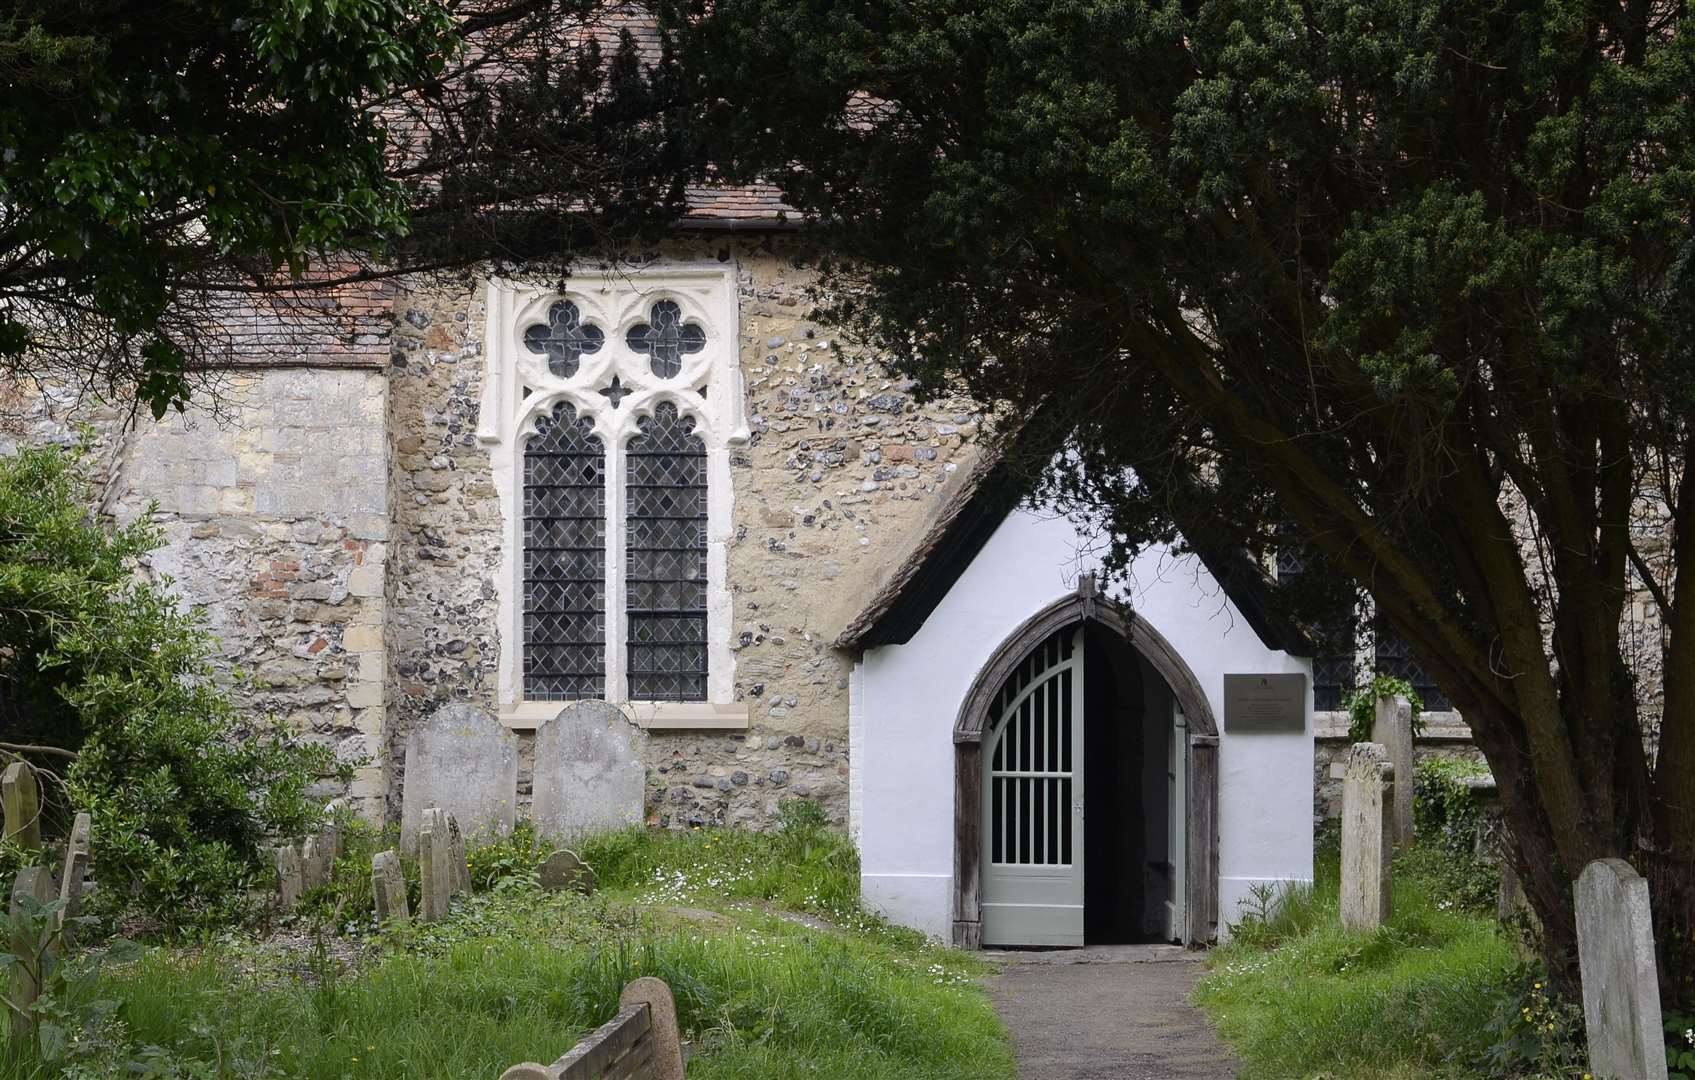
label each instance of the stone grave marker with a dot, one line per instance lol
(667, 1056)
(563, 869)
(458, 859)
(291, 881)
(589, 775)
(77, 848)
(1392, 728)
(388, 888)
(21, 797)
(37, 882)
(436, 877)
(465, 761)
(1621, 989)
(314, 867)
(1368, 787)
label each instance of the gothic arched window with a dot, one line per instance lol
(665, 558)
(564, 559)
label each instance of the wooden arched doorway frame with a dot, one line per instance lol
(1086, 605)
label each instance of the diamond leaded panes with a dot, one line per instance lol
(1333, 666)
(1394, 657)
(666, 338)
(665, 546)
(564, 559)
(564, 338)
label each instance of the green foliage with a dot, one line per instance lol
(1444, 810)
(1536, 1033)
(1680, 1045)
(511, 858)
(515, 973)
(182, 790)
(143, 140)
(1294, 993)
(1362, 705)
(66, 1018)
(802, 865)
(1453, 880)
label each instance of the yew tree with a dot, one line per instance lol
(1412, 279)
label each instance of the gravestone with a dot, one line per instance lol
(37, 882)
(1621, 989)
(589, 775)
(465, 761)
(388, 888)
(1392, 729)
(22, 801)
(565, 870)
(77, 847)
(1368, 792)
(314, 868)
(436, 876)
(290, 880)
(667, 1057)
(458, 860)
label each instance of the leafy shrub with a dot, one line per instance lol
(515, 857)
(1362, 705)
(1680, 1045)
(1444, 810)
(99, 661)
(1535, 1033)
(1454, 881)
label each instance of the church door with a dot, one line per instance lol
(1033, 801)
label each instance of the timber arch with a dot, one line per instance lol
(1085, 605)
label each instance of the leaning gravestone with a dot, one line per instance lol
(22, 800)
(565, 870)
(456, 857)
(291, 880)
(1621, 988)
(388, 888)
(465, 761)
(1368, 845)
(77, 848)
(1392, 727)
(36, 882)
(589, 775)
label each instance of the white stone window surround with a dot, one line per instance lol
(708, 389)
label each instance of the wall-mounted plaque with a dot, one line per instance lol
(1265, 704)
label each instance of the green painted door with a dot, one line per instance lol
(1033, 801)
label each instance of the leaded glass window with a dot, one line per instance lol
(1394, 657)
(1333, 666)
(665, 538)
(564, 338)
(666, 338)
(564, 559)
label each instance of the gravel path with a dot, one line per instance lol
(1107, 1013)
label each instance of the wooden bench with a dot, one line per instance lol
(641, 1042)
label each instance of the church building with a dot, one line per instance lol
(662, 485)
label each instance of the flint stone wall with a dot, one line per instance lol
(841, 465)
(273, 500)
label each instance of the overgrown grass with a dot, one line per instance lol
(519, 974)
(1298, 996)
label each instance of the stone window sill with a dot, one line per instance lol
(651, 715)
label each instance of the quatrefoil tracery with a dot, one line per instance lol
(666, 338)
(564, 338)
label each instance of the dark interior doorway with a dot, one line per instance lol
(1128, 877)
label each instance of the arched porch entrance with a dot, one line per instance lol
(981, 710)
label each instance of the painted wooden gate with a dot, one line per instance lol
(1033, 800)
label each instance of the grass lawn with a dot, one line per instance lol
(776, 971)
(1436, 992)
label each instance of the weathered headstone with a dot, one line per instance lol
(37, 882)
(1392, 728)
(563, 869)
(667, 1057)
(22, 801)
(290, 878)
(465, 761)
(1621, 989)
(1368, 791)
(77, 847)
(388, 888)
(589, 775)
(458, 861)
(314, 867)
(435, 865)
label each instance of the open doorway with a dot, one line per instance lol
(1133, 865)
